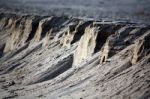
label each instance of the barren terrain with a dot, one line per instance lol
(67, 49)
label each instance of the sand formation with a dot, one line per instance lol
(64, 57)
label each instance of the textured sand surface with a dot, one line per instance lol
(74, 49)
(131, 10)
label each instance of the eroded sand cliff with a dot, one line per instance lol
(69, 58)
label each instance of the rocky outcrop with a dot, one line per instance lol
(47, 38)
(39, 30)
(74, 33)
(86, 45)
(141, 49)
(20, 31)
(119, 40)
(32, 28)
(68, 36)
(138, 51)
(107, 49)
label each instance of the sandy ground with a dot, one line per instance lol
(38, 53)
(131, 10)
